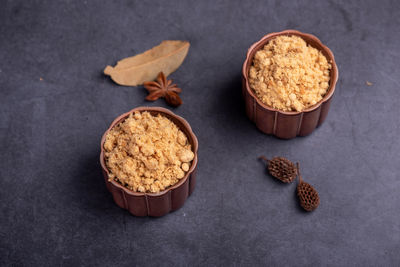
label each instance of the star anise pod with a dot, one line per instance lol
(163, 88)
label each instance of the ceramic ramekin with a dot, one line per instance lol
(153, 204)
(287, 124)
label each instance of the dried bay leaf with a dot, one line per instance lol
(166, 58)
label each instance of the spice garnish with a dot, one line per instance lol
(166, 57)
(308, 196)
(281, 168)
(163, 88)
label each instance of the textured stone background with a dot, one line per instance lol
(55, 209)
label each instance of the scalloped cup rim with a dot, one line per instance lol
(159, 110)
(332, 83)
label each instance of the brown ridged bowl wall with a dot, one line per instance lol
(153, 204)
(287, 124)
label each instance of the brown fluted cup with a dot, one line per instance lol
(153, 204)
(287, 124)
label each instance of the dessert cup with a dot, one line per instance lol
(153, 204)
(287, 124)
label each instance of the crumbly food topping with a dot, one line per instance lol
(147, 153)
(289, 75)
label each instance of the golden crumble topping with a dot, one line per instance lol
(147, 153)
(289, 75)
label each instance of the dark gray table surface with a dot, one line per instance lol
(55, 105)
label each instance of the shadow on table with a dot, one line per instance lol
(89, 184)
(231, 106)
(92, 191)
(229, 102)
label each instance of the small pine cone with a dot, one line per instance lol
(308, 196)
(282, 169)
